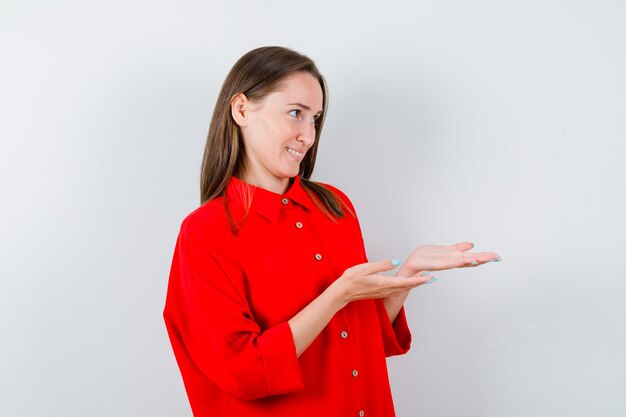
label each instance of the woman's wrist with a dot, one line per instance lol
(406, 271)
(337, 294)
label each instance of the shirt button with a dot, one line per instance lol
(355, 373)
(299, 225)
(318, 256)
(361, 413)
(285, 201)
(344, 335)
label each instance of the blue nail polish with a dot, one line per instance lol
(396, 262)
(426, 273)
(474, 263)
(430, 281)
(498, 259)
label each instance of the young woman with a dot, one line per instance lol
(272, 307)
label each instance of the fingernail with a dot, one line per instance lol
(396, 262)
(498, 259)
(430, 281)
(474, 263)
(426, 273)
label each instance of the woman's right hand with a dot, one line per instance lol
(363, 281)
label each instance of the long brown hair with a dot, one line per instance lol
(256, 74)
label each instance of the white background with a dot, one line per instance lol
(496, 122)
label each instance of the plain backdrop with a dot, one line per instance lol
(496, 122)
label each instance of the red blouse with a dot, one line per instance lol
(230, 297)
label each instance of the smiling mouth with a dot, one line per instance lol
(295, 153)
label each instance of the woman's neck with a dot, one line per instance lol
(273, 184)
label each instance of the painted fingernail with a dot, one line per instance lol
(396, 262)
(498, 259)
(474, 263)
(430, 281)
(426, 273)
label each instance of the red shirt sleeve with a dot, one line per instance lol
(396, 335)
(212, 329)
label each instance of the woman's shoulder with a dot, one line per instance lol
(209, 217)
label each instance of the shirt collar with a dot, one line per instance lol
(268, 203)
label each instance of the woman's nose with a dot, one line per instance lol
(307, 134)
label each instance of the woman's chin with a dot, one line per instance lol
(289, 173)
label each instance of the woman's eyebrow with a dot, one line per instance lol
(304, 106)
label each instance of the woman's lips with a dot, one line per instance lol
(297, 155)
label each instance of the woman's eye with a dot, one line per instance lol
(297, 112)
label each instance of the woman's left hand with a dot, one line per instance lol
(441, 257)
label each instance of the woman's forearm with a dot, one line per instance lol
(394, 303)
(311, 320)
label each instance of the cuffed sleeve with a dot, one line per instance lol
(278, 350)
(212, 329)
(396, 335)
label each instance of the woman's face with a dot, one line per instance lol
(278, 130)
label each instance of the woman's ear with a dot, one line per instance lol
(238, 109)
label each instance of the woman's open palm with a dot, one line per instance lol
(441, 257)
